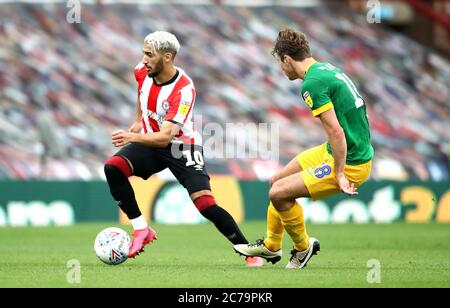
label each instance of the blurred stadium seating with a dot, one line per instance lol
(64, 87)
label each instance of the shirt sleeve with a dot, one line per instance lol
(181, 105)
(315, 94)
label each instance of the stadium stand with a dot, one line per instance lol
(65, 86)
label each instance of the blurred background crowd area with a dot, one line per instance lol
(64, 87)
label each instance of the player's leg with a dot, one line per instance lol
(139, 161)
(207, 206)
(317, 182)
(293, 220)
(275, 229)
(292, 167)
(130, 160)
(289, 213)
(283, 194)
(270, 248)
(191, 173)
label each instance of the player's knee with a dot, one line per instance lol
(110, 171)
(276, 192)
(273, 179)
(117, 164)
(204, 201)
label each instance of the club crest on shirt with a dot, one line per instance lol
(308, 99)
(165, 105)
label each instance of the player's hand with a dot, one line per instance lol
(136, 127)
(345, 186)
(121, 138)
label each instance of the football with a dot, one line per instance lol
(111, 245)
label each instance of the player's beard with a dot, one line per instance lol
(156, 69)
(291, 75)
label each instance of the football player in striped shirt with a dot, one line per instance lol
(163, 136)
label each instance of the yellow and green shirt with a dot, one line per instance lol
(325, 87)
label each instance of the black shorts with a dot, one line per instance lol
(185, 161)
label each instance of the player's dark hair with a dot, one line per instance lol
(292, 43)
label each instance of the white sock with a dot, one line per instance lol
(139, 223)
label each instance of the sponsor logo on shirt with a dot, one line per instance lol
(155, 117)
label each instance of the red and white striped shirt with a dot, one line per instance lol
(172, 101)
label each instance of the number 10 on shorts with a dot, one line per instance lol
(198, 158)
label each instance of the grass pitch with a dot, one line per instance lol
(197, 256)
